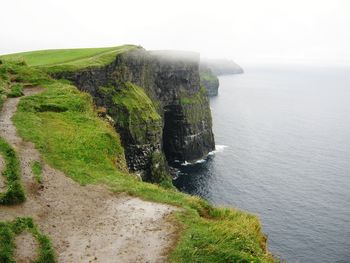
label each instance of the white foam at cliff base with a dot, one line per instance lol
(218, 149)
(196, 162)
(185, 163)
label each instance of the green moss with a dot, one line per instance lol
(198, 98)
(88, 150)
(137, 103)
(208, 78)
(196, 109)
(133, 111)
(14, 193)
(37, 170)
(8, 232)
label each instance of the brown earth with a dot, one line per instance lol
(26, 248)
(2, 179)
(86, 223)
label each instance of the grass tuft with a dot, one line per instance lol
(14, 193)
(37, 170)
(16, 91)
(8, 232)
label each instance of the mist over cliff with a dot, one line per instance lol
(222, 66)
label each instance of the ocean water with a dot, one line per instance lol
(283, 153)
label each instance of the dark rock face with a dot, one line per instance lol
(188, 124)
(157, 104)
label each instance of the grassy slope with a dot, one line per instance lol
(69, 59)
(86, 148)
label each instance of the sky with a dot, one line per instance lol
(244, 30)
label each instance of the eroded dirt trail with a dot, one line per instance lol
(2, 179)
(86, 223)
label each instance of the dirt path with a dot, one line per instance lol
(26, 248)
(86, 223)
(2, 179)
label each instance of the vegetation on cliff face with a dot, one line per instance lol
(134, 109)
(76, 141)
(209, 80)
(137, 120)
(194, 108)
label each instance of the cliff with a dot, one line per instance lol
(63, 125)
(209, 80)
(157, 105)
(222, 66)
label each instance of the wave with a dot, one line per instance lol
(201, 161)
(185, 163)
(218, 149)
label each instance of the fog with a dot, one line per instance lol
(249, 30)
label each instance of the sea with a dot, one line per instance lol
(282, 137)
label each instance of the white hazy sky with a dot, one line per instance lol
(238, 29)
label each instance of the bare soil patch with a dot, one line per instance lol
(27, 248)
(2, 179)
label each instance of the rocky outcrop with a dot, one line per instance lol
(157, 105)
(209, 80)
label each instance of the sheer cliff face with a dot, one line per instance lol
(157, 104)
(209, 80)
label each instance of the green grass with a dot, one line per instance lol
(57, 60)
(88, 149)
(3, 91)
(37, 170)
(15, 91)
(8, 232)
(74, 137)
(14, 193)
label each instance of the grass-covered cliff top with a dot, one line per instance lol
(63, 124)
(69, 59)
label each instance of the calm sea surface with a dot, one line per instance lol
(283, 152)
